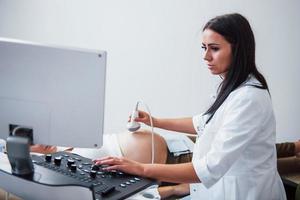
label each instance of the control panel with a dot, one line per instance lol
(73, 169)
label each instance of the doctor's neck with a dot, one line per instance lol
(223, 75)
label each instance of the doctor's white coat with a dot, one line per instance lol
(235, 155)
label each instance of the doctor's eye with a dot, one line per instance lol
(215, 48)
(203, 47)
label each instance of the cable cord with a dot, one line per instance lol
(16, 129)
(152, 130)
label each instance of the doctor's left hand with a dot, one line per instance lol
(121, 164)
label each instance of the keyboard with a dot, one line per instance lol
(73, 169)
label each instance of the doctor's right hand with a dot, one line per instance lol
(144, 118)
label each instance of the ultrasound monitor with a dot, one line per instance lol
(58, 93)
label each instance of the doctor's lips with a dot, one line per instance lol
(210, 66)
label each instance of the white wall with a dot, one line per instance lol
(154, 49)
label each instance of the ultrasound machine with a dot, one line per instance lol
(55, 96)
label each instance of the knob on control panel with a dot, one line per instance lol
(57, 160)
(93, 174)
(73, 167)
(48, 158)
(70, 162)
(95, 167)
(112, 173)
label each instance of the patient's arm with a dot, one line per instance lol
(137, 146)
(47, 149)
(44, 149)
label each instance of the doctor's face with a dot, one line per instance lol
(217, 52)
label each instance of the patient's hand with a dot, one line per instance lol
(45, 149)
(182, 189)
(177, 190)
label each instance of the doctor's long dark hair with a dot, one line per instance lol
(237, 31)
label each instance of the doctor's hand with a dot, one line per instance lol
(144, 118)
(121, 164)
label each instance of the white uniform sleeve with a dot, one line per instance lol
(242, 120)
(199, 123)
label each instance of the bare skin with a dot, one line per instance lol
(137, 146)
(44, 149)
(177, 190)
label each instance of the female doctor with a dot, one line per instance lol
(234, 155)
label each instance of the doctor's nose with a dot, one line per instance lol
(207, 56)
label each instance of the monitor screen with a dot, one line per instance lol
(59, 93)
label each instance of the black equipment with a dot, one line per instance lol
(72, 169)
(19, 155)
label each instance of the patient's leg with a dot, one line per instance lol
(137, 146)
